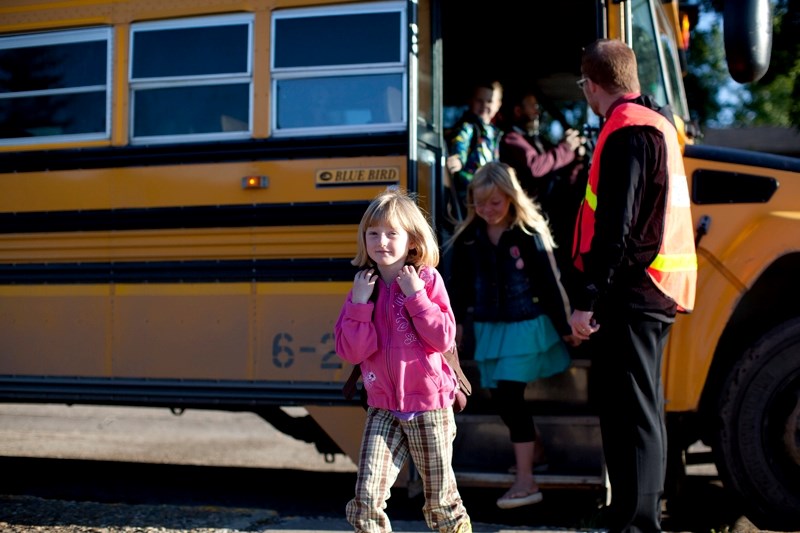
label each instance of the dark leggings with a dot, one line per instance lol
(509, 399)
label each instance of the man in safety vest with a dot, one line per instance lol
(636, 267)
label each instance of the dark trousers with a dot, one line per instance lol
(626, 389)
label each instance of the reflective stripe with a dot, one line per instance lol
(679, 195)
(675, 262)
(591, 197)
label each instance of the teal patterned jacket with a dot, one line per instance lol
(475, 143)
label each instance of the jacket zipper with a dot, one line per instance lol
(387, 349)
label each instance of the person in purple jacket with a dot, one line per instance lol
(552, 175)
(523, 148)
(396, 322)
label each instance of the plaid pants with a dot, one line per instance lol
(385, 447)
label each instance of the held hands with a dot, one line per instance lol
(582, 324)
(409, 280)
(572, 340)
(363, 285)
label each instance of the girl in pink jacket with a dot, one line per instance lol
(396, 322)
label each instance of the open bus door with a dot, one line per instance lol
(426, 146)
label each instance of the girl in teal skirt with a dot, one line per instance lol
(504, 273)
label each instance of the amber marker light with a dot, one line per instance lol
(685, 31)
(255, 182)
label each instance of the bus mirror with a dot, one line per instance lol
(748, 38)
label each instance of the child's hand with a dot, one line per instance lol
(453, 164)
(409, 280)
(583, 325)
(572, 340)
(363, 285)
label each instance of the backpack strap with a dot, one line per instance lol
(349, 389)
(451, 356)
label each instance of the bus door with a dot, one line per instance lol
(425, 106)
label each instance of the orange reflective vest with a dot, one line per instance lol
(674, 269)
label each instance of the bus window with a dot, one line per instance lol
(338, 101)
(191, 79)
(339, 70)
(673, 67)
(646, 48)
(657, 57)
(55, 86)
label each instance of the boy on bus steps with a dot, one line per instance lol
(474, 140)
(398, 338)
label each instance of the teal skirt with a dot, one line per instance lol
(519, 351)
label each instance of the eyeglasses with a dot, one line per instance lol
(581, 82)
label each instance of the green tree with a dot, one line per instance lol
(775, 99)
(716, 99)
(707, 72)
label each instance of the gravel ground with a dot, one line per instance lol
(25, 514)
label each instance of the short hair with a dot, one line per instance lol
(488, 83)
(611, 64)
(519, 96)
(397, 208)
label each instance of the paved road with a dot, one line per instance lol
(150, 435)
(244, 470)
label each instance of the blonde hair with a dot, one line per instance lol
(398, 209)
(525, 213)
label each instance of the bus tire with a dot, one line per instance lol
(757, 448)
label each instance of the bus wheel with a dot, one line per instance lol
(757, 448)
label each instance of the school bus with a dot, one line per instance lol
(181, 183)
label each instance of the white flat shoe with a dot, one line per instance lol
(519, 499)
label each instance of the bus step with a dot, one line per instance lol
(545, 481)
(571, 443)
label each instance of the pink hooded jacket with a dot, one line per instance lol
(400, 347)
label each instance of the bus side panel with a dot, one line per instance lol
(189, 331)
(746, 234)
(178, 271)
(295, 331)
(310, 180)
(60, 330)
(280, 331)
